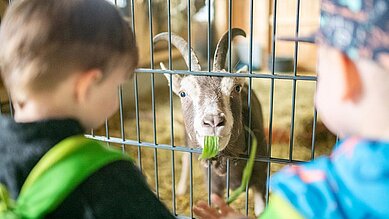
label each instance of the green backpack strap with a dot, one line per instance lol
(59, 172)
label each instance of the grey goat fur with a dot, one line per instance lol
(219, 106)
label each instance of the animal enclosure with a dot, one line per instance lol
(150, 125)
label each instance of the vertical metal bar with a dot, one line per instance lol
(153, 98)
(169, 30)
(190, 69)
(152, 66)
(133, 17)
(151, 34)
(313, 134)
(271, 102)
(107, 129)
(122, 131)
(171, 111)
(228, 179)
(291, 136)
(209, 36)
(251, 38)
(209, 69)
(132, 5)
(137, 120)
(155, 142)
(136, 93)
(229, 36)
(209, 182)
(1, 107)
(172, 144)
(189, 39)
(249, 93)
(191, 185)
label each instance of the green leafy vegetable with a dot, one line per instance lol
(211, 147)
(247, 170)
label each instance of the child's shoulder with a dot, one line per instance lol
(349, 183)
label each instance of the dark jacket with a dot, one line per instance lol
(118, 190)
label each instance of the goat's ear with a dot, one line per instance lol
(175, 77)
(245, 68)
(242, 70)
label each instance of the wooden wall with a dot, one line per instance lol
(263, 25)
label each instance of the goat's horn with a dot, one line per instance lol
(182, 46)
(222, 46)
(163, 67)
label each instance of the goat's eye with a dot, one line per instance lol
(182, 94)
(238, 88)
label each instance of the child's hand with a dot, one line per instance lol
(202, 210)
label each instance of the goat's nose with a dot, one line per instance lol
(213, 121)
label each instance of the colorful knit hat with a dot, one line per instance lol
(359, 28)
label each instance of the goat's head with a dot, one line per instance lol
(212, 106)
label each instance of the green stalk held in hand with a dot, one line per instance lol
(247, 170)
(211, 147)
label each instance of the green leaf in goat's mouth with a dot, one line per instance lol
(211, 147)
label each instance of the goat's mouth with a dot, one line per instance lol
(223, 140)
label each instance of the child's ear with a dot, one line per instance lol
(84, 82)
(353, 83)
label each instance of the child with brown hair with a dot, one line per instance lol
(62, 62)
(352, 101)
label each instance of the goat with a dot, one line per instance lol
(218, 106)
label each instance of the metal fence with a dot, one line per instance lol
(152, 71)
(272, 76)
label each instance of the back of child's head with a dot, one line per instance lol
(358, 28)
(44, 41)
(354, 77)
